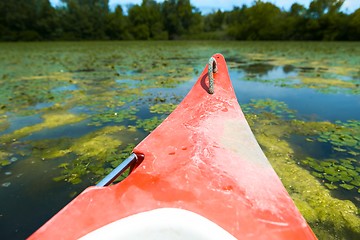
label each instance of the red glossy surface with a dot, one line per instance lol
(203, 158)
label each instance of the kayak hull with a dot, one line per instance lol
(204, 159)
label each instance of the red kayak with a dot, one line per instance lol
(199, 175)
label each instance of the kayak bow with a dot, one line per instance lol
(202, 176)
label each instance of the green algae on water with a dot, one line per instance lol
(164, 108)
(149, 124)
(114, 116)
(268, 105)
(311, 191)
(92, 152)
(4, 159)
(51, 120)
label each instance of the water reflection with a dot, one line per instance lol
(71, 87)
(127, 83)
(42, 105)
(309, 103)
(248, 81)
(257, 69)
(17, 122)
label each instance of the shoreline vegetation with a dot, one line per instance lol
(38, 20)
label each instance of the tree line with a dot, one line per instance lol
(37, 20)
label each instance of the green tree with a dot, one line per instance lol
(147, 21)
(117, 25)
(179, 18)
(174, 19)
(214, 21)
(354, 26)
(297, 10)
(295, 22)
(47, 21)
(326, 21)
(236, 22)
(84, 19)
(262, 21)
(334, 26)
(318, 8)
(18, 20)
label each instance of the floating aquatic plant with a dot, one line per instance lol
(4, 161)
(344, 137)
(324, 213)
(128, 95)
(92, 151)
(123, 154)
(149, 124)
(336, 173)
(51, 120)
(114, 115)
(321, 83)
(18, 94)
(165, 108)
(268, 105)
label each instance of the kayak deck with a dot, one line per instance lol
(204, 159)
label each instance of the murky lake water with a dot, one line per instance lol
(70, 112)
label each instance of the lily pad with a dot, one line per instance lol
(332, 178)
(347, 186)
(316, 174)
(330, 186)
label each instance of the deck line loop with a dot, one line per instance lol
(212, 68)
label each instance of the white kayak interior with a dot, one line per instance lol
(162, 223)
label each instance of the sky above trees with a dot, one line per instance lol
(207, 6)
